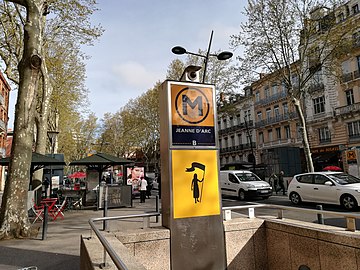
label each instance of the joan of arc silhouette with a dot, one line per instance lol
(197, 193)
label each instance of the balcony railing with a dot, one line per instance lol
(281, 142)
(276, 119)
(347, 109)
(250, 124)
(275, 97)
(237, 148)
(350, 76)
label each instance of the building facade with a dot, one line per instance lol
(4, 111)
(237, 138)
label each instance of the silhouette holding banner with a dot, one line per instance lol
(195, 181)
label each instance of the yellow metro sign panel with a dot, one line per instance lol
(192, 115)
(195, 184)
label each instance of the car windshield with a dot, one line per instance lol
(344, 179)
(247, 177)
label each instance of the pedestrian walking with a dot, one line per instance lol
(281, 183)
(143, 185)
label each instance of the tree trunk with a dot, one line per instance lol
(307, 152)
(14, 215)
(42, 118)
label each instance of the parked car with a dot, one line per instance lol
(243, 184)
(325, 187)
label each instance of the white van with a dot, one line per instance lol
(243, 184)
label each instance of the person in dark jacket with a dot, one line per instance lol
(281, 182)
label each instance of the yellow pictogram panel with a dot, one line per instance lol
(192, 105)
(195, 183)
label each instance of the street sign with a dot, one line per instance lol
(351, 155)
(192, 115)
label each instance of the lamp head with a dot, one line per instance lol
(178, 50)
(224, 55)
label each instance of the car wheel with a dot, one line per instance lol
(348, 202)
(241, 195)
(295, 198)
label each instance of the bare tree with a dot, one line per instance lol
(292, 47)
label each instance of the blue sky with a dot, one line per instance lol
(135, 49)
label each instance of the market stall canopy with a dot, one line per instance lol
(101, 159)
(38, 161)
(77, 175)
(100, 162)
(332, 168)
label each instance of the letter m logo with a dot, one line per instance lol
(197, 102)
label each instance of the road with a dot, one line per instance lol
(284, 201)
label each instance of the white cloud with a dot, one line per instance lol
(136, 75)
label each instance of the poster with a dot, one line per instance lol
(134, 174)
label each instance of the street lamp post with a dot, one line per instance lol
(221, 56)
(52, 138)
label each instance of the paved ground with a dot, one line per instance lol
(61, 249)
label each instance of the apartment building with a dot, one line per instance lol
(333, 102)
(4, 110)
(277, 138)
(237, 139)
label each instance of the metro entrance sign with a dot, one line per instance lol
(190, 194)
(192, 115)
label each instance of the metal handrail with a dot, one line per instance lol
(115, 258)
(120, 265)
(349, 216)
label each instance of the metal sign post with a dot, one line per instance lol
(191, 204)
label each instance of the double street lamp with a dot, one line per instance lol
(221, 56)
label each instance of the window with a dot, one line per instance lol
(340, 17)
(261, 137)
(278, 133)
(285, 108)
(354, 129)
(324, 135)
(238, 119)
(259, 116)
(299, 131)
(319, 105)
(276, 112)
(247, 115)
(349, 97)
(224, 121)
(270, 135)
(231, 122)
(226, 142)
(268, 114)
(257, 96)
(267, 92)
(356, 39)
(306, 179)
(233, 179)
(239, 138)
(232, 140)
(287, 132)
(320, 179)
(358, 62)
(355, 9)
(274, 89)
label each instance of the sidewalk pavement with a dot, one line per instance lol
(61, 248)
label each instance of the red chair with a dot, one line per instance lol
(58, 210)
(38, 211)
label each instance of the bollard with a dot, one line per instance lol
(157, 207)
(45, 223)
(320, 217)
(105, 222)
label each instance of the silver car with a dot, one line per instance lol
(325, 187)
